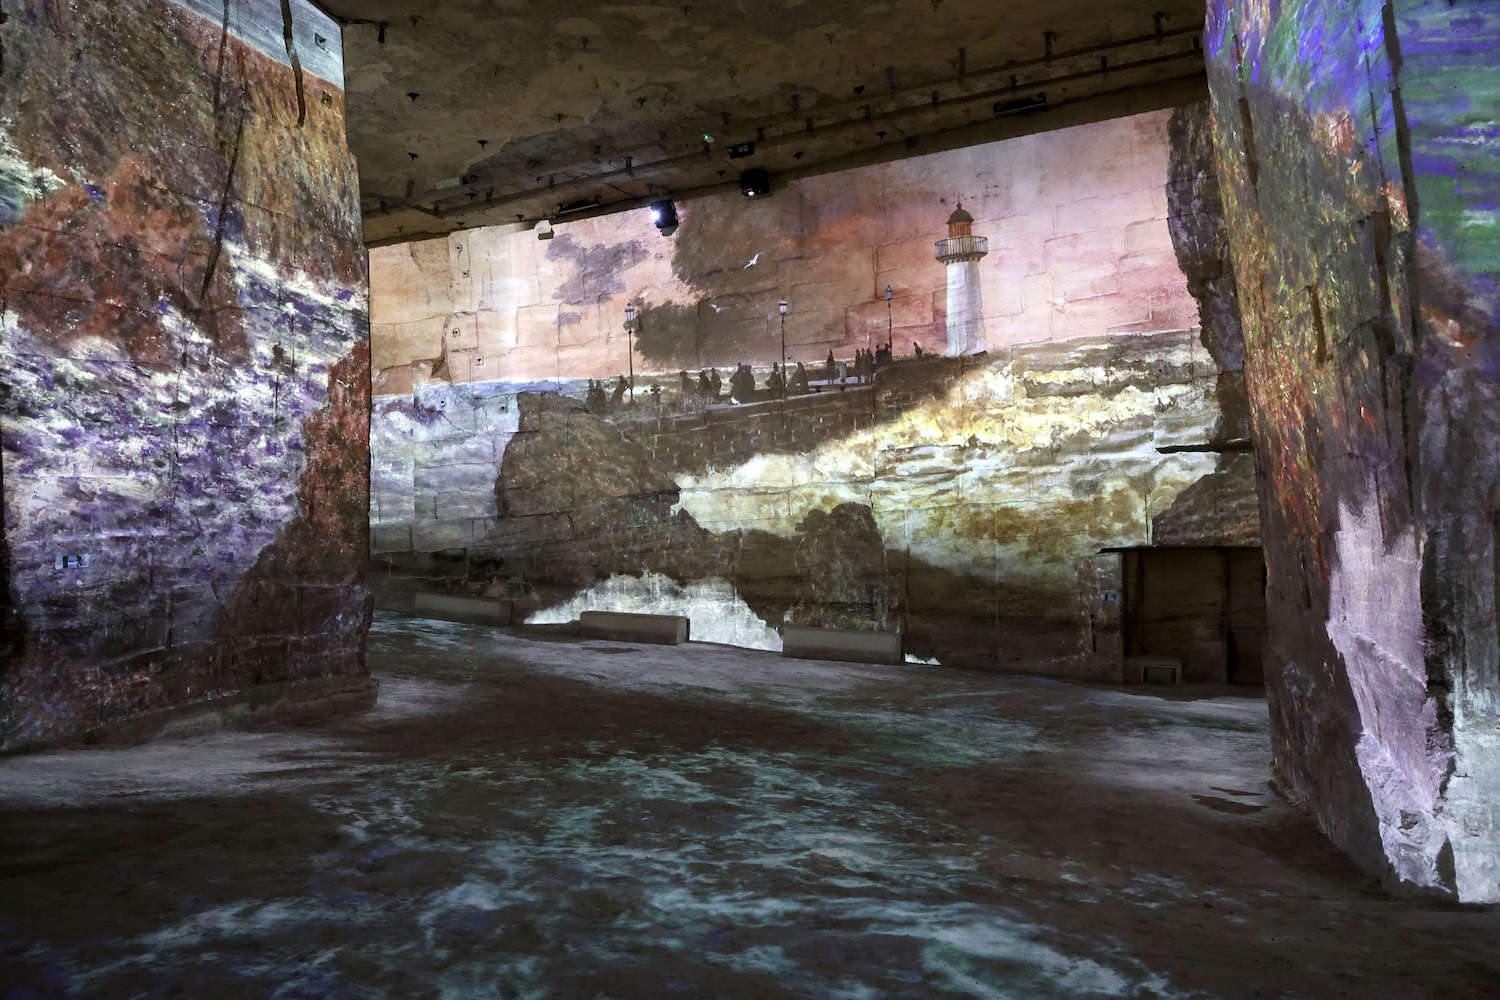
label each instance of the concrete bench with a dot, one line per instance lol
(841, 644)
(1153, 670)
(466, 610)
(619, 626)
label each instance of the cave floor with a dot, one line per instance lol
(528, 817)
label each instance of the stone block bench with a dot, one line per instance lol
(465, 610)
(810, 643)
(619, 626)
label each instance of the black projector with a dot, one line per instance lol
(756, 183)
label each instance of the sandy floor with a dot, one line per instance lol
(531, 818)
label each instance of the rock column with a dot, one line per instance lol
(1359, 178)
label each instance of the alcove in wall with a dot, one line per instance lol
(1203, 606)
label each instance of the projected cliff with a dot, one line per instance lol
(939, 433)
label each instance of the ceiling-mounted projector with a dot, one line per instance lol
(756, 183)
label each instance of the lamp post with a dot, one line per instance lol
(890, 322)
(782, 308)
(630, 346)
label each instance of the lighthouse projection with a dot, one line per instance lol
(962, 251)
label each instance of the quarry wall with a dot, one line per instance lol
(183, 362)
(964, 500)
(1356, 145)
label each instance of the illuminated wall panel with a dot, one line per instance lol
(963, 499)
(182, 359)
(1357, 144)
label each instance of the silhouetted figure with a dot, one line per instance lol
(799, 379)
(596, 396)
(688, 388)
(704, 388)
(742, 384)
(916, 348)
(830, 370)
(776, 382)
(620, 387)
(882, 357)
(714, 382)
(656, 396)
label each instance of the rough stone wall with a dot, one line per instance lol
(963, 500)
(1356, 150)
(1220, 509)
(182, 359)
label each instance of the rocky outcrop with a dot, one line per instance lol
(1221, 509)
(315, 567)
(579, 503)
(843, 577)
(1370, 346)
(182, 367)
(566, 461)
(1195, 212)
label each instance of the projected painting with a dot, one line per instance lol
(988, 369)
(1358, 149)
(182, 360)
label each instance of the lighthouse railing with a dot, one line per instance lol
(963, 246)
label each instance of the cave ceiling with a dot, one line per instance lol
(482, 112)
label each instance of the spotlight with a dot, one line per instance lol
(664, 217)
(543, 230)
(756, 183)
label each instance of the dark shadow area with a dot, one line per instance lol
(1203, 607)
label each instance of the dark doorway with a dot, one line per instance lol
(1203, 606)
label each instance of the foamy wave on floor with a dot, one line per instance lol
(718, 613)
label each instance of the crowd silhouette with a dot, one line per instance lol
(710, 387)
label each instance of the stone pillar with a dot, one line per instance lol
(184, 364)
(1359, 176)
(962, 251)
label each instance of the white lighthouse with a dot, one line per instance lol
(961, 251)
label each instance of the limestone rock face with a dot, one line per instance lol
(1196, 216)
(1360, 210)
(183, 366)
(1219, 509)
